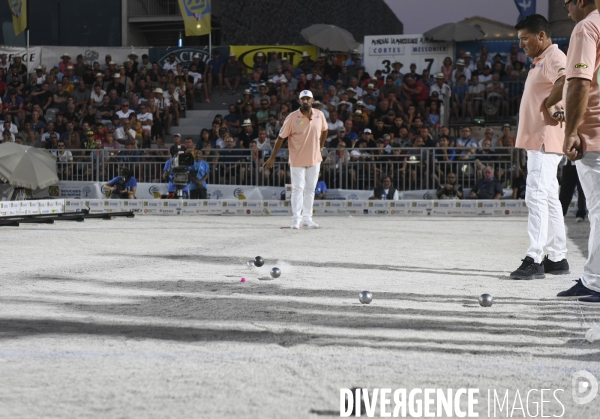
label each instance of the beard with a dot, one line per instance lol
(305, 107)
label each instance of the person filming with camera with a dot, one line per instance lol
(123, 186)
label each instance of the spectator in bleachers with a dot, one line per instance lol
(488, 187)
(12, 104)
(465, 141)
(469, 64)
(515, 88)
(7, 137)
(497, 94)
(443, 90)
(447, 68)
(475, 97)
(460, 70)
(415, 92)
(214, 71)
(520, 55)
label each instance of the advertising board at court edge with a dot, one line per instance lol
(470, 402)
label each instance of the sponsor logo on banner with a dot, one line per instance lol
(247, 54)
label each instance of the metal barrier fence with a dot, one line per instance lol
(362, 169)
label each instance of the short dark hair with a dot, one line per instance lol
(534, 24)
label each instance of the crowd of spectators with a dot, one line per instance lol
(378, 125)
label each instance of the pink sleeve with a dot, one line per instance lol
(555, 68)
(286, 129)
(581, 59)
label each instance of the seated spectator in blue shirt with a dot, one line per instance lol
(123, 186)
(488, 187)
(197, 185)
(321, 188)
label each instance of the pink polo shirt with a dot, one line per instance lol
(304, 137)
(583, 61)
(536, 127)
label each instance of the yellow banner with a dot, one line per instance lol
(246, 54)
(196, 16)
(18, 9)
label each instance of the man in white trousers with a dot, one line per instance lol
(541, 133)
(582, 134)
(306, 130)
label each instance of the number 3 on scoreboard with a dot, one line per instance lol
(386, 67)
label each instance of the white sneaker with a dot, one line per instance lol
(310, 224)
(579, 220)
(295, 225)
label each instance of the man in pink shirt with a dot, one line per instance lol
(306, 130)
(582, 133)
(541, 134)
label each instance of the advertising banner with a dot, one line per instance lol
(32, 60)
(380, 52)
(51, 54)
(246, 54)
(184, 55)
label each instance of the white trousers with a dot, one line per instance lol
(588, 170)
(546, 224)
(304, 182)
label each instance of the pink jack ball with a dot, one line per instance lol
(243, 280)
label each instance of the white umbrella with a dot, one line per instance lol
(330, 37)
(457, 32)
(27, 167)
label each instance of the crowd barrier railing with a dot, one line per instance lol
(342, 168)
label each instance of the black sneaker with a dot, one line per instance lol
(556, 268)
(529, 270)
(577, 291)
(593, 300)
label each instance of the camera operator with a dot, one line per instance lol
(198, 175)
(123, 186)
(168, 174)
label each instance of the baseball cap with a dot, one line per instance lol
(506, 126)
(367, 131)
(341, 129)
(177, 134)
(460, 61)
(439, 76)
(223, 129)
(305, 93)
(247, 92)
(468, 54)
